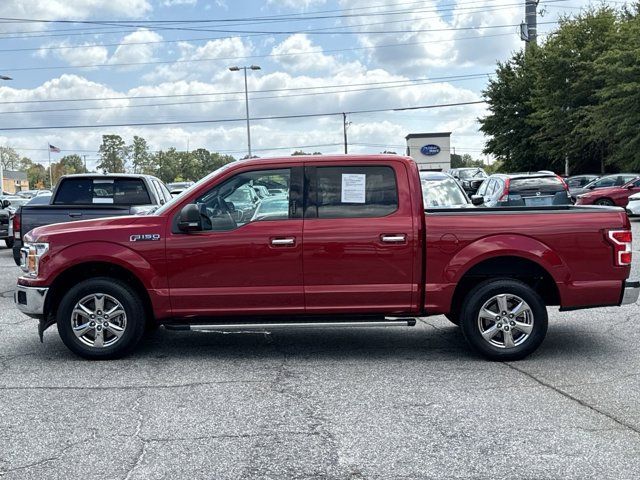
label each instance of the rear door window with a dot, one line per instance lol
(354, 192)
(102, 191)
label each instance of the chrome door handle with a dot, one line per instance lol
(278, 242)
(75, 214)
(401, 238)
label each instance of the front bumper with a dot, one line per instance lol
(630, 292)
(30, 300)
(633, 208)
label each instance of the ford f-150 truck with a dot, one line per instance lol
(89, 195)
(352, 246)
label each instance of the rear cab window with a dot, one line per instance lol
(353, 192)
(102, 191)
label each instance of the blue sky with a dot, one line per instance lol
(316, 56)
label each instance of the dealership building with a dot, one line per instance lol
(431, 151)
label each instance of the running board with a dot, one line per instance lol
(262, 327)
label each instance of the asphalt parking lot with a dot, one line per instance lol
(371, 403)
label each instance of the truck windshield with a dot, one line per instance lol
(442, 193)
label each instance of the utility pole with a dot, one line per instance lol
(529, 28)
(344, 129)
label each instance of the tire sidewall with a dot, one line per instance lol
(132, 307)
(477, 298)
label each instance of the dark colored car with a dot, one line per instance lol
(523, 190)
(469, 178)
(607, 181)
(608, 197)
(440, 190)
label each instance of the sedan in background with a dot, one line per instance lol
(614, 180)
(577, 182)
(440, 190)
(469, 178)
(523, 190)
(612, 196)
(633, 207)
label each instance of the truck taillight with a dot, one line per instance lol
(16, 226)
(621, 241)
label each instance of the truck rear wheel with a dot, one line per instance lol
(8, 242)
(504, 319)
(101, 318)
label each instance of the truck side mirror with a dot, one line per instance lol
(5, 204)
(189, 219)
(477, 200)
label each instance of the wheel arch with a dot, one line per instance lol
(93, 269)
(508, 256)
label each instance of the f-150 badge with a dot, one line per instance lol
(144, 237)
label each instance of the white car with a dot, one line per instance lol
(633, 207)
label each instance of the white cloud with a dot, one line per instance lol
(172, 3)
(295, 55)
(226, 48)
(133, 50)
(297, 4)
(84, 54)
(67, 9)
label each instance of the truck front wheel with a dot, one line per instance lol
(101, 318)
(504, 319)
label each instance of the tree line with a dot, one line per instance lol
(575, 98)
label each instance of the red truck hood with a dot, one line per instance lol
(41, 233)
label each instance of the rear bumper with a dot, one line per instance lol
(30, 300)
(630, 292)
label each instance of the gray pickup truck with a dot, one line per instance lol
(89, 196)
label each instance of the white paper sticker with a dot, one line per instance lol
(102, 200)
(353, 187)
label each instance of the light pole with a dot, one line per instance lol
(246, 99)
(2, 77)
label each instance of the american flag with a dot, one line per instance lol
(53, 148)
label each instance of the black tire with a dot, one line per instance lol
(453, 318)
(604, 202)
(133, 308)
(8, 242)
(470, 312)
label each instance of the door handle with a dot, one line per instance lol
(397, 238)
(75, 214)
(282, 242)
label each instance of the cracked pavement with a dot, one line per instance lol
(360, 404)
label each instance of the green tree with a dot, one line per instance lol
(511, 135)
(141, 158)
(617, 115)
(9, 158)
(113, 154)
(168, 164)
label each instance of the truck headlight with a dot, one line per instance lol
(31, 254)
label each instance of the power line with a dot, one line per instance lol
(242, 119)
(343, 85)
(217, 59)
(199, 39)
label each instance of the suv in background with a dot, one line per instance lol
(523, 190)
(469, 178)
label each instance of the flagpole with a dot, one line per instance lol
(50, 174)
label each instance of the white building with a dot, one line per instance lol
(431, 151)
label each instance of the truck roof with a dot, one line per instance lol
(351, 157)
(107, 175)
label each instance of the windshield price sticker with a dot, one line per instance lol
(353, 187)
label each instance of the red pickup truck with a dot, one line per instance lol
(344, 242)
